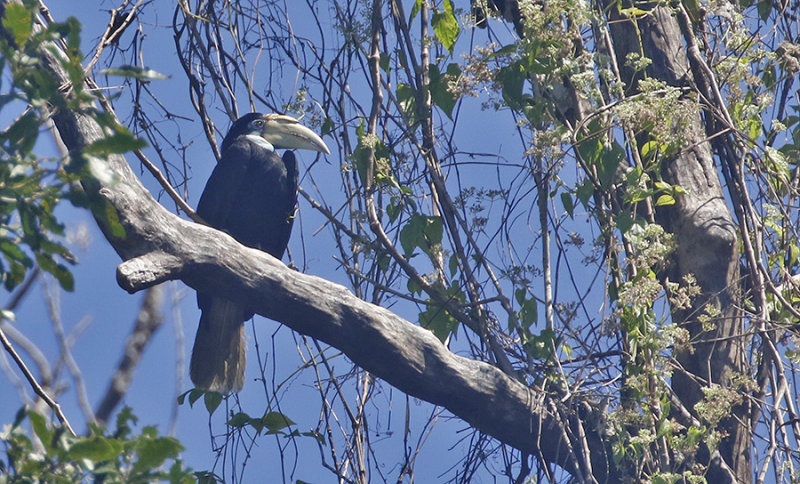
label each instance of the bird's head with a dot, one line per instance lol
(275, 131)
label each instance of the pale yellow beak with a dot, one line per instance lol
(285, 132)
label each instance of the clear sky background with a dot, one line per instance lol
(112, 311)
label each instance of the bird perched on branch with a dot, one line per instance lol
(251, 195)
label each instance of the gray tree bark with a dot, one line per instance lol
(707, 244)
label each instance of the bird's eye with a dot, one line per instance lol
(258, 123)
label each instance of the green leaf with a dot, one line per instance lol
(634, 12)
(41, 429)
(239, 420)
(439, 321)
(503, 51)
(29, 226)
(424, 232)
(415, 10)
(13, 252)
(194, 395)
(624, 221)
(96, 449)
(528, 314)
(585, 192)
(126, 418)
(18, 21)
(135, 72)
(590, 149)
(59, 271)
(769, 76)
(569, 206)
(541, 346)
(445, 26)
(212, 401)
(608, 162)
(453, 263)
(754, 124)
(649, 149)
(384, 62)
(15, 276)
(152, 452)
(71, 29)
(22, 135)
(440, 94)
(55, 248)
(368, 151)
(275, 421)
(315, 435)
(764, 8)
(414, 287)
(121, 142)
(520, 294)
(393, 210)
(662, 185)
(182, 397)
(693, 8)
(528, 308)
(794, 253)
(512, 78)
(19, 417)
(103, 210)
(664, 200)
(327, 126)
(407, 102)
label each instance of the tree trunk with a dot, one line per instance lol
(707, 244)
(705, 231)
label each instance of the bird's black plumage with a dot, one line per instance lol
(251, 195)
(252, 192)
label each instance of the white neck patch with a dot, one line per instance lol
(258, 140)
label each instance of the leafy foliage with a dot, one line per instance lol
(31, 187)
(48, 454)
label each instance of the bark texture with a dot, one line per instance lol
(707, 243)
(702, 222)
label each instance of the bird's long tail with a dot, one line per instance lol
(218, 356)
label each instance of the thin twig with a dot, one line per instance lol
(52, 298)
(35, 384)
(165, 184)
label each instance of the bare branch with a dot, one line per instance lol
(35, 384)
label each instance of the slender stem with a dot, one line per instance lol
(35, 384)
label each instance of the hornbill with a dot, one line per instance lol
(251, 195)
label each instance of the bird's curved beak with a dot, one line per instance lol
(285, 132)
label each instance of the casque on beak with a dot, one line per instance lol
(285, 132)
